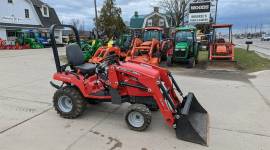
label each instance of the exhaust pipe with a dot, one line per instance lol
(193, 123)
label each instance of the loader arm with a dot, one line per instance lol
(188, 117)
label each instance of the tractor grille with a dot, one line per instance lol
(180, 53)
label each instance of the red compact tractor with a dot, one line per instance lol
(152, 48)
(220, 49)
(144, 86)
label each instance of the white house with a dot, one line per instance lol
(27, 15)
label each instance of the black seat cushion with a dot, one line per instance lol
(86, 68)
(74, 55)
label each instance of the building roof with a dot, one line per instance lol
(37, 3)
(46, 21)
(136, 22)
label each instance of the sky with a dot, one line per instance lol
(241, 13)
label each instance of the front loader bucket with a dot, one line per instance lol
(192, 126)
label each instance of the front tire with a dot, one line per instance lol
(69, 103)
(138, 117)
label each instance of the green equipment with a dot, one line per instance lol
(29, 38)
(89, 48)
(186, 48)
(124, 42)
(33, 43)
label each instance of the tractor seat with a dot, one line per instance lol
(86, 68)
(76, 60)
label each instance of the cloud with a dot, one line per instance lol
(238, 12)
(244, 13)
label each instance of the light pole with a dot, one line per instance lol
(95, 3)
(216, 11)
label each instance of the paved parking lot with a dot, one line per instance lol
(238, 104)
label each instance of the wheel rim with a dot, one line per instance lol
(65, 104)
(136, 119)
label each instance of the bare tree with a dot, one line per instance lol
(82, 28)
(75, 22)
(176, 9)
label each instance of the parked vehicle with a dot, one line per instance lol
(265, 37)
(186, 48)
(220, 49)
(105, 51)
(142, 85)
(151, 48)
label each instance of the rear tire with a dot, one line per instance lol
(138, 117)
(69, 103)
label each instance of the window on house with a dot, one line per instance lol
(10, 1)
(45, 11)
(149, 22)
(161, 22)
(26, 11)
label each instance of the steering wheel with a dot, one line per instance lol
(102, 68)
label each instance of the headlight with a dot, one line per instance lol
(183, 49)
(177, 49)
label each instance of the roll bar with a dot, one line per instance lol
(59, 68)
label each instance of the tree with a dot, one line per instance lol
(75, 22)
(176, 9)
(110, 21)
(82, 28)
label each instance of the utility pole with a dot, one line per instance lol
(261, 29)
(216, 12)
(95, 2)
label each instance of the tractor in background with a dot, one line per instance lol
(220, 48)
(152, 48)
(124, 43)
(89, 49)
(105, 51)
(2, 43)
(186, 48)
(31, 40)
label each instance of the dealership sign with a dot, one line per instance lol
(199, 12)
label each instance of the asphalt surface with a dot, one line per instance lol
(238, 105)
(262, 47)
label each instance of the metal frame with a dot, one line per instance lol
(54, 46)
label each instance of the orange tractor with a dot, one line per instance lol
(104, 52)
(151, 48)
(220, 49)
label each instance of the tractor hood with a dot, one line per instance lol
(147, 43)
(141, 69)
(182, 45)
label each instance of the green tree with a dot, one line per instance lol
(110, 21)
